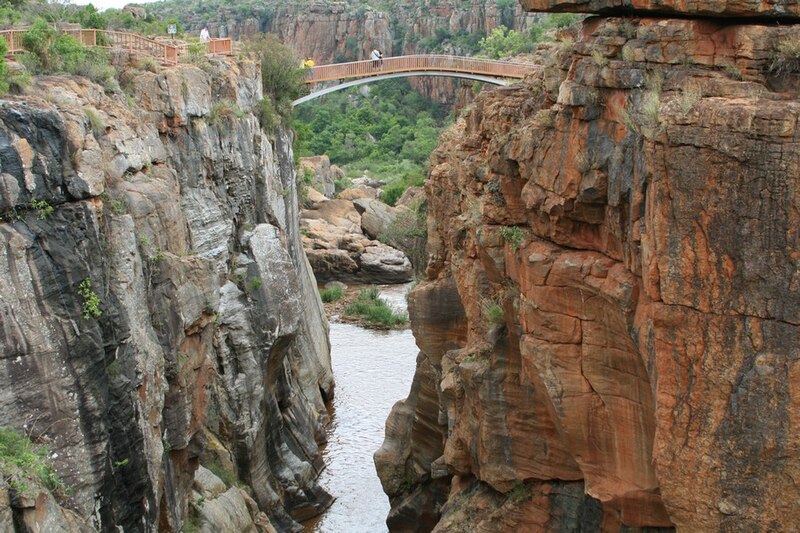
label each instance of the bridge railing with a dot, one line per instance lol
(470, 65)
(130, 42)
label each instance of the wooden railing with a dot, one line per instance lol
(389, 65)
(133, 43)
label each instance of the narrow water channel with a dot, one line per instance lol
(373, 370)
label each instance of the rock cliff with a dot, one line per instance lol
(156, 307)
(329, 31)
(608, 328)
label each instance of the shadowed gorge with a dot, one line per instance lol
(605, 259)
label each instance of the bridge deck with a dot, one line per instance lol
(416, 63)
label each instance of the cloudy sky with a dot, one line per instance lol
(103, 4)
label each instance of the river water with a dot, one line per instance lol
(373, 370)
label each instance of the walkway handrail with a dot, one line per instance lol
(130, 42)
(470, 65)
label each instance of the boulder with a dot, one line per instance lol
(376, 216)
(321, 172)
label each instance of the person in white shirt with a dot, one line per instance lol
(204, 35)
(376, 57)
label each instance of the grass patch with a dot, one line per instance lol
(96, 122)
(21, 459)
(373, 310)
(493, 311)
(331, 295)
(227, 476)
(787, 58)
(690, 95)
(225, 109)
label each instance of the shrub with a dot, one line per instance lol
(513, 235)
(4, 81)
(281, 74)
(96, 122)
(268, 115)
(493, 311)
(91, 302)
(20, 458)
(43, 209)
(370, 307)
(224, 109)
(519, 492)
(787, 59)
(331, 295)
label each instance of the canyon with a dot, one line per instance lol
(608, 324)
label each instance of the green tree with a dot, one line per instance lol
(281, 75)
(503, 42)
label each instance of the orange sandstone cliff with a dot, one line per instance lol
(609, 322)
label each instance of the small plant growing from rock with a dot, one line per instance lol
(513, 236)
(91, 302)
(493, 311)
(599, 59)
(96, 122)
(255, 284)
(689, 96)
(628, 29)
(519, 492)
(628, 54)
(787, 59)
(544, 119)
(43, 209)
(119, 207)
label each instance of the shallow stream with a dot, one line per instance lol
(373, 370)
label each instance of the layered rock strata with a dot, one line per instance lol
(156, 307)
(608, 329)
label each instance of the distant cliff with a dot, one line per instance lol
(609, 324)
(161, 331)
(348, 31)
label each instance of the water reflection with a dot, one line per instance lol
(373, 369)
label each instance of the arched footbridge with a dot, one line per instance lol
(360, 72)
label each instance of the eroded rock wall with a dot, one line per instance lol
(208, 345)
(616, 241)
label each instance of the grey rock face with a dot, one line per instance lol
(206, 343)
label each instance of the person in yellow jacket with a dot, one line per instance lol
(308, 63)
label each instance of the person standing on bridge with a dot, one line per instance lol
(204, 35)
(377, 58)
(308, 63)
